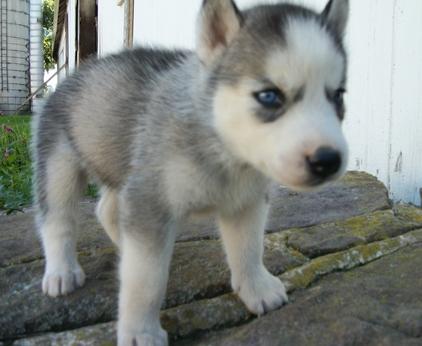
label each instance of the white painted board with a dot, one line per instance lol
(384, 41)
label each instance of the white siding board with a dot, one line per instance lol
(110, 27)
(62, 57)
(406, 129)
(169, 23)
(369, 109)
(71, 29)
(384, 41)
(165, 23)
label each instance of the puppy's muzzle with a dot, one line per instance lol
(324, 163)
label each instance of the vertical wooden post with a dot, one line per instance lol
(88, 29)
(129, 8)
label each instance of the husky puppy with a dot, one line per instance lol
(170, 134)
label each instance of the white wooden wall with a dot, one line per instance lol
(384, 118)
(62, 56)
(67, 50)
(110, 26)
(71, 32)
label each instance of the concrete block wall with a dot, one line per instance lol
(36, 52)
(14, 54)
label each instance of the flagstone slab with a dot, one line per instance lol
(198, 271)
(355, 194)
(377, 304)
(198, 319)
(197, 298)
(335, 236)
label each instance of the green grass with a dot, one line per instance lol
(15, 163)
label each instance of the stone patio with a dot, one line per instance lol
(351, 261)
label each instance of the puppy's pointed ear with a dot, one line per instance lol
(336, 15)
(218, 23)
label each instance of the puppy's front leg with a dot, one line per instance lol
(243, 236)
(145, 258)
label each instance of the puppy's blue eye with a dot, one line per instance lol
(271, 98)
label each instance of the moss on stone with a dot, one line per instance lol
(359, 178)
(409, 213)
(336, 236)
(204, 315)
(363, 226)
(303, 276)
(278, 242)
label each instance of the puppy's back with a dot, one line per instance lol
(97, 109)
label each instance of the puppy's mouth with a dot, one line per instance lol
(312, 182)
(315, 182)
(307, 185)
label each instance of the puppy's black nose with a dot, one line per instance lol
(324, 162)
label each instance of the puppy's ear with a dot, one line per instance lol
(336, 15)
(218, 23)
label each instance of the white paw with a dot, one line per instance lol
(157, 337)
(262, 292)
(62, 281)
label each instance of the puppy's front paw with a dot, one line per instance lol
(156, 337)
(262, 292)
(61, 281)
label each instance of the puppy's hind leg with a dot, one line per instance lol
(59, 183)
(107, 213)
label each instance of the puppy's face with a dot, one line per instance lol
(278, 93)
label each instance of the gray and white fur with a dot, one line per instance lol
(170, 134)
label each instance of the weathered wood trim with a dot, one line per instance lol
(129, 12)
(87, 29)
(60, 10)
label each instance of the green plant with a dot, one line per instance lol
(47, 23)
(15, 163)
